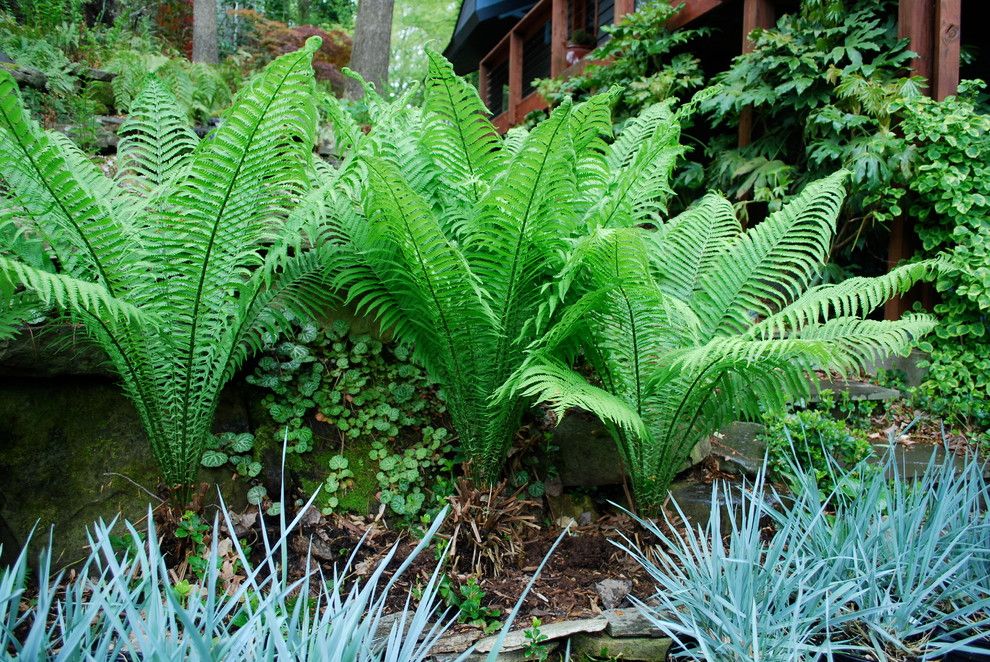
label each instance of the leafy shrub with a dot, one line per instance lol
(699, 322)
(180, 282)
(824, 86)
(894, 569)
(950, 142)
(642, 57)
(460, 233)
(812, 441)
(267, 38)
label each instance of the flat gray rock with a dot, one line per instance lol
(588, 456)
(740, 449)
(857, 390)
(613, 592)
(629, 623)
(517, 638)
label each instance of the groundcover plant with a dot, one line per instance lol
(180, 266)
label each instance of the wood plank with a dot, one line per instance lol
(558, 37)
(948, 18)
(623, 7)
(484, 76)
(693, 9)
(898, 248)
(515, 75)
(501, 122)
(756, 14)
(529, 103)
(915, 20)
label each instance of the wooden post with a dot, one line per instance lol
(558, 37)
(916, 22)
(756, 14)
(948, 14)
(915, 19)
(623, 7)
(515, 75)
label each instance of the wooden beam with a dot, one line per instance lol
(948, 15)
(558, 37)
(693, 9)
(915, 20)
(623, 7)
(515, 75)
(898, 248)
(756, 14)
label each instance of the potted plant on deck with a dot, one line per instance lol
(579, 45)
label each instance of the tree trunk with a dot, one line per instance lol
(205, 32)
(372, 45)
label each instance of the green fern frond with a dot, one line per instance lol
(559, 387)
(851, 298)
(769, 266)
(78, 223)
(178, 285)
(68, 293)
(456, 130)
(688, 244)
(640, 163)
(155, 140)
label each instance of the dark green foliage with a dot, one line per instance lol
(648, 61)
(407, 479)
(950, 179)
(373, 395)
(468, 600)
(364, 388)
(812, 441)
(824, 86)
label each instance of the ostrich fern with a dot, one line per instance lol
(458, 234)
(697, 323)
(180, 267)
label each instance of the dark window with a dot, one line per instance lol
(536, 58)
(498, 81)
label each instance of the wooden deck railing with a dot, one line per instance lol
(931, 26)
(501, 80)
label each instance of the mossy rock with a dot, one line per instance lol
(360, 496)
(72, 450)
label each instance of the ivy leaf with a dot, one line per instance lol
(214, 458)
(242, 443)
(256, 494)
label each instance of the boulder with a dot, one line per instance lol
(72, 450)
(632, 649)
(588, 456)
(739, 449)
